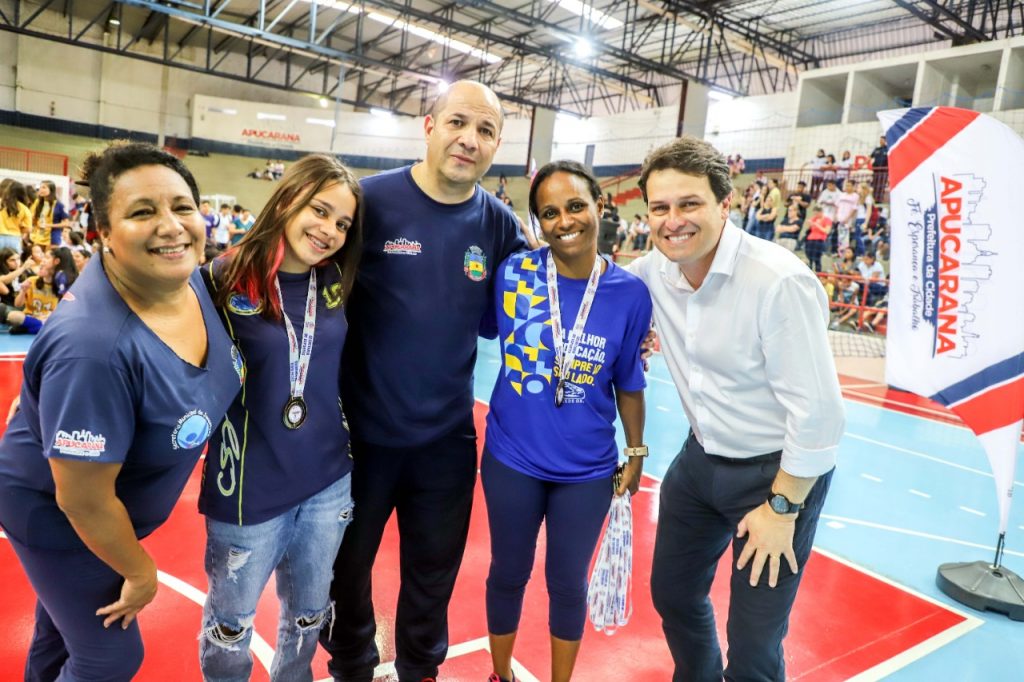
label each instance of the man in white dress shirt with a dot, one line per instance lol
(743, 327)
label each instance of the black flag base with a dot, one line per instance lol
(984, 587)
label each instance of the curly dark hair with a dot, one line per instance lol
(100, 171)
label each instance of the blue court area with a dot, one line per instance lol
(910, 493)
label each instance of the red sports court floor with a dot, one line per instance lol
(848, 623)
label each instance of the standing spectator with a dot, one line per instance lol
(743, 325)
(211, 218)
(829, 200)
(828, 169)
(550, 452)
(846, 215)
(766, 216)
(818, 230)
(817, 171)
(843, 167)
(222, 233)
(48, 216)
(119, 394)
(240, 225)
(865, 209)
(880, 169)
(801, 198)
(775, 193)
(752, 204)
(788, 231)
(15, 216)
(428, 228)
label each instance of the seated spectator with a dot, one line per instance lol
(788, 230)
(874, 277)
(39, 295)
(13, 273)
(81, 258)
(876, 319)
(849, 288)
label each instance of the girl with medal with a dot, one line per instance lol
(277, 481)
(571, 325)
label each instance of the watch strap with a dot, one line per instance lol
(639, 451)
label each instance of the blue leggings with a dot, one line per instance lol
(574, 515)
(69, 643)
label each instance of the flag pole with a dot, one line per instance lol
(999, 551)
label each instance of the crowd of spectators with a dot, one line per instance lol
(44, 245)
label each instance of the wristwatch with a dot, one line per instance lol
(639, 451)
(780, 504)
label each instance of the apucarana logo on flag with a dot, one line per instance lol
(955, 331)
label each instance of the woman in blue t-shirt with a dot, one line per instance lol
(571, 324)
(120, 390)
(277, 485)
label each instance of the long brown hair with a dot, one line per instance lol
(251, 266)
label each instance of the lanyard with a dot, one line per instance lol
(565, 355)
(610, 594)
(298, 357)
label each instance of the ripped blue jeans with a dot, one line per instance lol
(299, 546)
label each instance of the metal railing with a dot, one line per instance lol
(32, 161)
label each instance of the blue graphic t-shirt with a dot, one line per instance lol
(257, 468)
(425, 281)
(101, 386)
(525, 430)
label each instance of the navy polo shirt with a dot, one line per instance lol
(424, 284)
(100, 386)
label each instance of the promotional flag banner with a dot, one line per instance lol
(956, 302)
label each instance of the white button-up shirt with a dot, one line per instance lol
(749, 352)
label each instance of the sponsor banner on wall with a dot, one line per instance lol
(955, 332)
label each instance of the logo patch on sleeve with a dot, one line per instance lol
(80, 443)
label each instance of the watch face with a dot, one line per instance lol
(779, 504)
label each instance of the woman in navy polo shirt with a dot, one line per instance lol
(571, 325)
(277, 486)
(120, 391)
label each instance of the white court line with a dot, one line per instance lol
(922, 455)
(662, 408)
(908, 656)
(916, 534)
(869, 477)
(919, 494)
(875, 385)
(661, 381)
(259, 647)
(972, 511)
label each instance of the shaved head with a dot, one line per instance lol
(465, 86)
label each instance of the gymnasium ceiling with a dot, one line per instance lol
(581, 56)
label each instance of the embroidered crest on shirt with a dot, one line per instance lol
(402, 247)
(475, 264)
(240, 304)
(332, 295)
(192, 430)
(79, 443)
